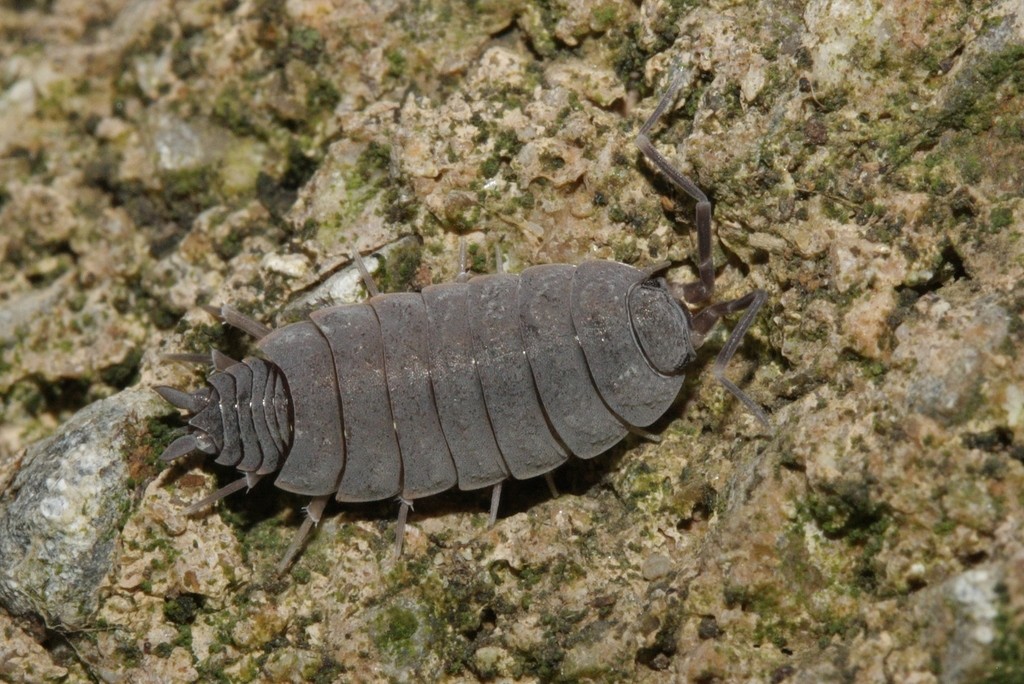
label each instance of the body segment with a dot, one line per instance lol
(427, 466)
(457, 391)
(573, 405)
(353, 334)
(517, 418)
(316, 455)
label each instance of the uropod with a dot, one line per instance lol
(465, 384)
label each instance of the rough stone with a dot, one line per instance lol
(61, 517)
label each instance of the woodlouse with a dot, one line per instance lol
(464, 384)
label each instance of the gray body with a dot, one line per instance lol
(465, 384)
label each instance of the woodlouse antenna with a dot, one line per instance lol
(701, 290)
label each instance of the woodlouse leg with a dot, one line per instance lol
(464, 273)
(640, 432)
(314, 511)
(237, 319)
(550, 480)
(403, 515)
(248, 481)
(371, 287)
(703, 322)
(218, 360)
(702, 289)
(499, 265)
(495, 501)
(227, 490)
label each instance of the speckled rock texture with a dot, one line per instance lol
(864, 162)
(61, 516)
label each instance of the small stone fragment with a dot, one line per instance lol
(656, 566)
(60, 518)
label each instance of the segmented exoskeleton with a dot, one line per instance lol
(464, 384)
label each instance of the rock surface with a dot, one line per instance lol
(864, 164)
(61, 517)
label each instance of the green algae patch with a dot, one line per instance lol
(394, 629)
(400, 267)
(182, 610)
(849, 513)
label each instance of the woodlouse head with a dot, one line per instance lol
(662, 326)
